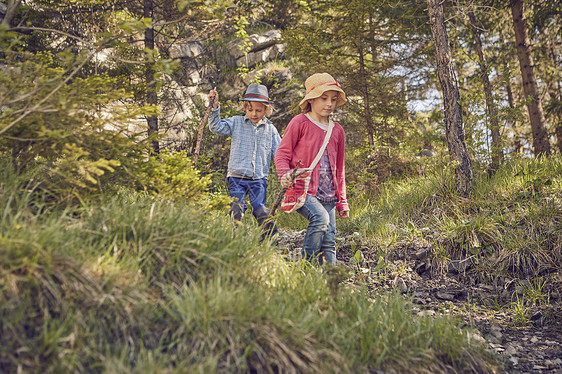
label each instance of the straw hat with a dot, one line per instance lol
(256, 92)
(319, 83)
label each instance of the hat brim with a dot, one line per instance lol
(319, 91)
(258, 99)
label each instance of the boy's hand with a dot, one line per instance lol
(214, 98)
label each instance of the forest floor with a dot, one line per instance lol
(527, 339)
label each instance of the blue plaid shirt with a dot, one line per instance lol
(252, 146)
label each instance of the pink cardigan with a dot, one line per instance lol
(302, 141)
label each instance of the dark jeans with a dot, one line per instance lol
(256, 189)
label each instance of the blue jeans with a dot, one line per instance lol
(257, 190)
(320, 239)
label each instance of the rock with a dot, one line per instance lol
(421, 254)
(497, 347)
(261, 56)
(256, 42)
(510, 350)
(495, 331)
(445, 296)
(189, 49)
(476, 336)
(424, 313)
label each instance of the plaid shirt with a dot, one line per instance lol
(252, 146)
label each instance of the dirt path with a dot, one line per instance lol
(528, 339)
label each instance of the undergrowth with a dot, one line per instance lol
(510, 226)
(143, 284)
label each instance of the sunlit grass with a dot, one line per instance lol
(137, 285)
(514, 218)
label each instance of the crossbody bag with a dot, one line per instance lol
(295, 196)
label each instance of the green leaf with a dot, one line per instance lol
(358, 257)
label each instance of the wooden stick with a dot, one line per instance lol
(282, 193)
(201, 128)
(268, 224)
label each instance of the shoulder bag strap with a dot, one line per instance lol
(323, 147)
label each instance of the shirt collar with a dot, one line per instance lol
(262, 121)
(321, 125)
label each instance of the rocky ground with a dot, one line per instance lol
(528, 338)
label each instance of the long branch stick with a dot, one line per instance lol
(200, 132)
(282, 192)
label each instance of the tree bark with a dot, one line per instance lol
(517, 143)
(497, 147)
(454, 131)
(554, 92)
(11, 7)
(366, 99)
(541, 144)
(151, 94)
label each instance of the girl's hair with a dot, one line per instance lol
(307, 108)
(244, 105)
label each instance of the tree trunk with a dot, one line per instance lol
(11, 7)
(553, 89)
(517, 143)
(464, 174)
(541, 145)
(151, 94)
(497, 147)
(366, 100)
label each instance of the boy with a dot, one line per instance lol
(254, 141)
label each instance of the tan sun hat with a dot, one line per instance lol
(319, 83)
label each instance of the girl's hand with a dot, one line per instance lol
(286, 180)
(214, 95)
(343, 214)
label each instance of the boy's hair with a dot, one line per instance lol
(305, 107)
(244, 105)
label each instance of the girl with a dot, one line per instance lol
(318, 143)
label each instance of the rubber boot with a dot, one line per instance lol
(237, 211)
(269, 229)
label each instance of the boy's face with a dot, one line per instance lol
(255, 111)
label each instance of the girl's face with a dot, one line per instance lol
(321, 107)
(255, 111)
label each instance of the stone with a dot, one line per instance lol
(510, 350)
(445, 296)
(261, 56)
(534, 339)
(186, 49)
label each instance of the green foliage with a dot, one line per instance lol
(136, 283)
(510, 226)
(77, 130)
(520, 312)
(172, 174)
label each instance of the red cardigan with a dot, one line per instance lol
(302, 141)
